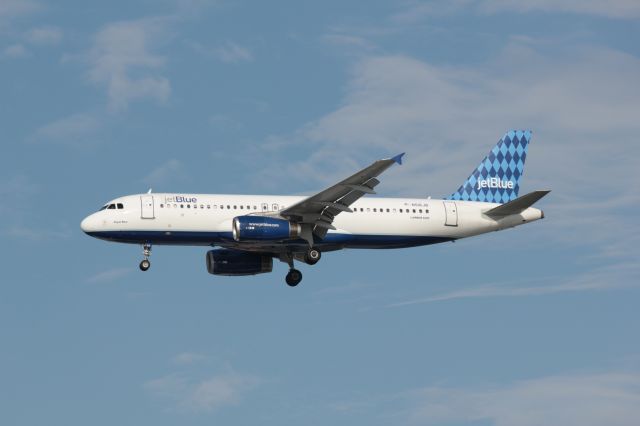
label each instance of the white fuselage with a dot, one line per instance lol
(206, 219)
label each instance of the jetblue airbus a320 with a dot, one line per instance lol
(249, 231)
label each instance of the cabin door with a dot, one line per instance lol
(451, 213)
(146, 202)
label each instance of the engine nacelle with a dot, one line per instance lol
(262, 228)
(233, 262)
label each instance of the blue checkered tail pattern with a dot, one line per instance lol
(497, 178)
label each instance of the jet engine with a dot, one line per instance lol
(262, 228)
(235, 262)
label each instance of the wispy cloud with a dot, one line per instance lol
(15, 51)
(618, 275)
(429, 9)
(188, 358)
(48, 35)
(229, 52)
(622, 9)
(349, 41)
(14, 8)
(122, 60)
(171, 170)
(584, 399)
(446, 119)
(206, 395)
(109, 275)
(75, 129)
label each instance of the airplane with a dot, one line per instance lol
(248, 231)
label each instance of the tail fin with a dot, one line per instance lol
(497, 178)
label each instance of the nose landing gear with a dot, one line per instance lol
(146, 251)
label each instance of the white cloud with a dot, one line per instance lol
(232, 53)
(121, 59)
(618, 275)
(15, 51)
(228, 52)
(419, 10)
(171, 170)
(582, 104)
(44, 35)
(14, 8)
(74, 129)
(109, 275)
(187, 358)
(348, 41)
(587, 400)
(205, 395)
(624, 9)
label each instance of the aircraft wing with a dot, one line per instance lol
(316, 213)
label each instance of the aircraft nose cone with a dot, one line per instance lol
(88, 224)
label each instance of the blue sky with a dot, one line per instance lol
(531, 326)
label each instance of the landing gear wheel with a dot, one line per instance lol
(312, 256)
(146, 252)
(144, 265)
(293, 278)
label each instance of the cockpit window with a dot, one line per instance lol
(103, 207)
(111, 206)
(120, 206)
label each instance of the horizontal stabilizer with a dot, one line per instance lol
(518, 205)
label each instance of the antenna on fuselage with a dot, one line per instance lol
(149, 191)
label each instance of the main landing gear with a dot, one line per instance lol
(294, 276)
(312, 256)
(146, 251)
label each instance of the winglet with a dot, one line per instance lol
(398, 158)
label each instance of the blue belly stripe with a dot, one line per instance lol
(225, 238)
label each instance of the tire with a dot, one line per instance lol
(144, 265)
(312, 256)
(293, 278)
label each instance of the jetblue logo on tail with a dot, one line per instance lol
(494, 182)
(497, 178)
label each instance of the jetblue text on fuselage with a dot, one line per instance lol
(181, 199)
(495, 182)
